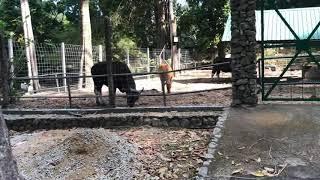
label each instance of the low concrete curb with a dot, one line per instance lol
(113, 110)
(216, 135)
(165, 119)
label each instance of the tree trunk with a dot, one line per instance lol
(109, 54)
(29, 43)
(160, 17)
(173, 34)
(86, 57)
(8, 166)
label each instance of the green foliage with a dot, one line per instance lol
(201, 25)
(126, 43)
(47, 19)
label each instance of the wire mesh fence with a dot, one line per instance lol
(50, 62)
(59, 71)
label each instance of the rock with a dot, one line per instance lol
(206, 163)
(241, 82)
(174, 123)
(203, 171)
(156, 122)
(212, 145)
(185, 123)
(209, 156)
(164, 123)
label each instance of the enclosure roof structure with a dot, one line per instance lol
(302, 20)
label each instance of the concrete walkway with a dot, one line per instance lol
(280, 139)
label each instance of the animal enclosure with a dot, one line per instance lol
(60, 73)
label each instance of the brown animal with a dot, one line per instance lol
(166, 78)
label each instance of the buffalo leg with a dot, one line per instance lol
(213, 72)
(218, 74)
(168, 83)
(169, 88)
(98, 93)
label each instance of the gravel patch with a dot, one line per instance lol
(131, 153)
(81, 154)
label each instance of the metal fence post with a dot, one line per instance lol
(57, 82)
(64, 68)
(128, 57)
(100, 53)
(148, 62)
(10, 50)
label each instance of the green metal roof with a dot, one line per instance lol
(302, 21)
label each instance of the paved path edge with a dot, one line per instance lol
(213, 144)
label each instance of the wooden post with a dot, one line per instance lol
(69, 92)
(64, 67)
(108, 44)
(128, 57)
(179, 60)
(100, 53)
(148, 62)
(8, 166)
(163, 93)
(4, 73)
(163, 56)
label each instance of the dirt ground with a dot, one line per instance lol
(196, 80)
(135, 153)
(220, 97)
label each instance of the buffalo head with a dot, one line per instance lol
(132, 96)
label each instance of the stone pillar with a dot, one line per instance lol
(243, 43)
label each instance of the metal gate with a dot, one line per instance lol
(294, 77)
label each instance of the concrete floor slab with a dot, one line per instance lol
(285, 138)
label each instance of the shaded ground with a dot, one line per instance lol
(274, 141)
(220, 97)
(195, 80)
(135, 153)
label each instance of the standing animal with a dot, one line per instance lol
(166, 78)
(222, 67)
(125, 83)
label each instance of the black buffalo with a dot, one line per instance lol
(124, 83)
(222, 67)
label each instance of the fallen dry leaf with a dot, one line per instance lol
(270, 170)
(258, 160)
(239, 164)
(162, 171)
(266, 173)
(199, 161)
(162, 157)
(240, 148)
(237, 171)
(258, 173)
